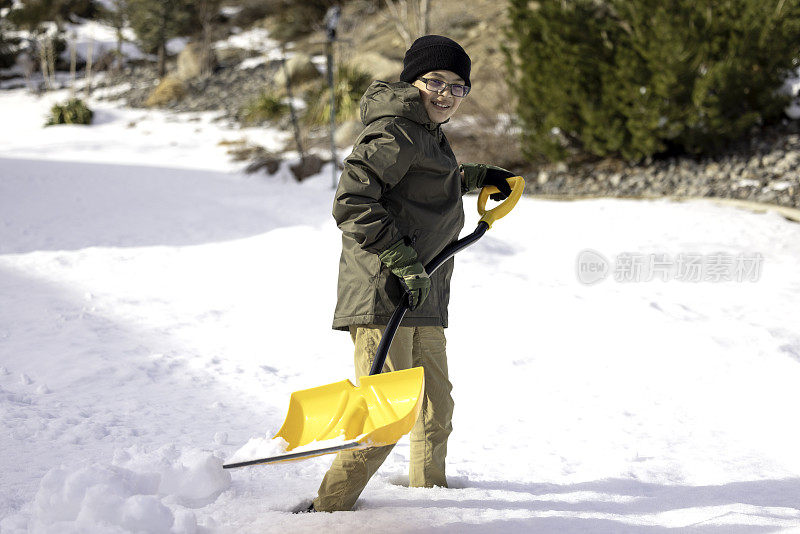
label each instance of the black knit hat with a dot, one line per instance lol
(434, 52)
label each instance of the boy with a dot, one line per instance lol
(398, 204)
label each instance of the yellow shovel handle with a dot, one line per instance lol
(517, 184)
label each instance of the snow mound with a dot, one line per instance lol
(259, 447)
(193, 478)
(139, 492)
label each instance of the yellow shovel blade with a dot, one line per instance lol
(379, 412)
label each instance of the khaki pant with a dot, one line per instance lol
(411, 347)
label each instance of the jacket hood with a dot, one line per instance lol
(394, 99)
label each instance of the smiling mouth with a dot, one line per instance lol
(439, 106)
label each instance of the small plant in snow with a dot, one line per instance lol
(74, 111)
(266, 107)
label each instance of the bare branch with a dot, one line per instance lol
(400, 21)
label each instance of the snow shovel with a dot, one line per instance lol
(384, 407)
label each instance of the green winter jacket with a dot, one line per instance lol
(401, 180)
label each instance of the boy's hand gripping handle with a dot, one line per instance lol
(517, 184)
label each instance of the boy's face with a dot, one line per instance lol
(440, 106)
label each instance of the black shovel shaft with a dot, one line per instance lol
(397, 317)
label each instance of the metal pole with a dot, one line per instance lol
(331, 22)
(334, 161)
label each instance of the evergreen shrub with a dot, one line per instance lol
(9, 46)
(8, 51)
(74, 111)
(634, 78)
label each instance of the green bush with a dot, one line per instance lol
(265, 107)
(7, 53)
(8, 45)
(74, 111)
(349, 85)
(633, 78)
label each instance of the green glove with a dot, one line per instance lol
(402, 260)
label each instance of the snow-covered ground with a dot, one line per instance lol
(157, 308)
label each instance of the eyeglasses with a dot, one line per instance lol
(438, 86)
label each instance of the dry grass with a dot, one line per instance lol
(169, 91)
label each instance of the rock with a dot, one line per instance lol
(194, 62)
(309, 166)
(347, 133)
(301, 69)
(788, 163)
(542, 178)
(768, 196)
(269, 163)
(772, 158)
(380, 67)
(105, 61)
(231, 57)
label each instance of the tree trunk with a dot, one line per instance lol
(118, 58)
(89, 61)
(162, 39)
(400, 19)
(73, 66)
(410, 17)
(206, 48)
(162, 59)
(43, 61)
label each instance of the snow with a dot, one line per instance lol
(100, 38)
(748, 183)
(158, 307)
(195, 141)
(252, 62)
(780, 186)
(129, 494)
(256, 39)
